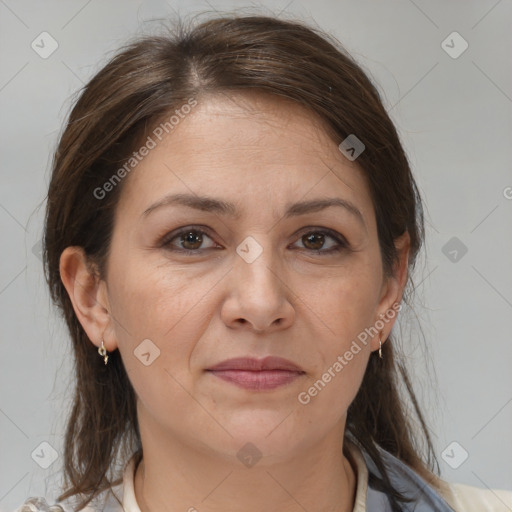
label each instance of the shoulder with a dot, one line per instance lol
(430, 492)
(40, 504)
(107, 501)
(467, 498)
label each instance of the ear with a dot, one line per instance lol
(88, 294)
(392, 291)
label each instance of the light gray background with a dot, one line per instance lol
(454, 117)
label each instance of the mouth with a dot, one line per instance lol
(257, 374)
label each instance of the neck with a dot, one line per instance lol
(180, 478)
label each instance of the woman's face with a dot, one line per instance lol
(260, 271)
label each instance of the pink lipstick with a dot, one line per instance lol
(257, 374)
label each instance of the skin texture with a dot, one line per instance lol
(262, 154)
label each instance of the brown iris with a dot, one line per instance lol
(194, 238)
(315, 239)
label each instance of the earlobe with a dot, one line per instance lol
(87, 293)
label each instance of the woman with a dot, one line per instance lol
(230, 231)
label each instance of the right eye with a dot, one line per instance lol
(189, 239)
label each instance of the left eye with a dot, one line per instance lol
(315, 241)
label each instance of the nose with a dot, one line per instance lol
(259, 297)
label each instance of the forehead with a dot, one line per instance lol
(246, 147)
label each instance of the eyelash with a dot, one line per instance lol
(167, 239)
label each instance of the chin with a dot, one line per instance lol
(268, 433)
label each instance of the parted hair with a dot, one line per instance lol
(143, 83)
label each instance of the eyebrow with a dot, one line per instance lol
(210, 204)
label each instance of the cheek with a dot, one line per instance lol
(344, 304)
(342, 309)
(326, 399)
(161, 314)
(342, 359)
(153, 300)
(168, 307)
(345, 312)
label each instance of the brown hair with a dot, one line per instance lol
(147, 80)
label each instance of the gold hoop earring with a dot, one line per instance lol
(103, 352)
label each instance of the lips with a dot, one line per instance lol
(257, 374)
(252, 364)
